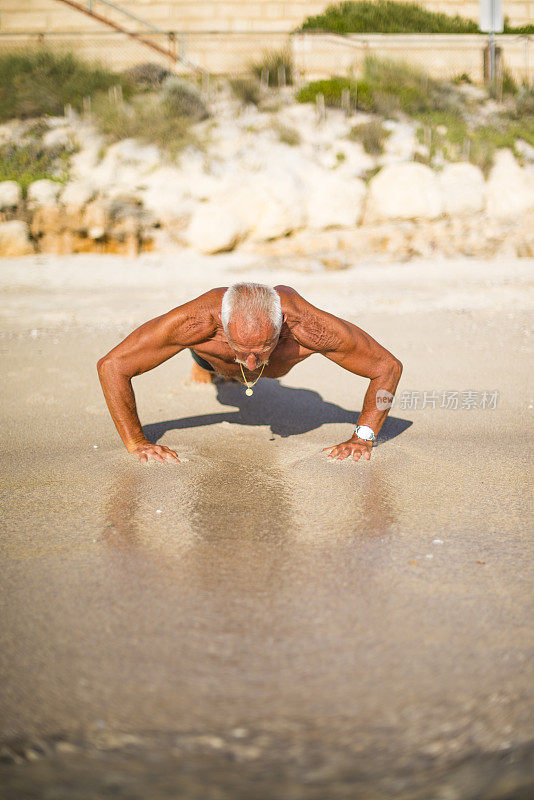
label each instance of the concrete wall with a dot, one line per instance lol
(442, 56)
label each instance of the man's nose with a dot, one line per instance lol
(251, 361)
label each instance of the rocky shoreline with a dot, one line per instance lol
(249, 188)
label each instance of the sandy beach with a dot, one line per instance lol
(256, 622)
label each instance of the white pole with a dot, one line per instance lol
(492, 43)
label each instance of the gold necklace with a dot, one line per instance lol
(249, 386)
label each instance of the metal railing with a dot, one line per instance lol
(171, 52)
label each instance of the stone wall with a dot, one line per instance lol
(211, 15)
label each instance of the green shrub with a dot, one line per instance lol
(331, 89)
(148, 74)
(146, 118)
(37, 82)
(518, 29)
(509, 86)
(406, 86)
(387, 88)
(524, 104)
(386, 16)
(182, 99)
(287, 134)
(462, 78)
(273, 62)
(248, 90)
(372, 135)
(29, 162)
(457, 139)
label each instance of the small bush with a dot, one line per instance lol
(524, 105)
(29, 162)
(331, 89)
(386, 16)
(274, 63)
(462, 78)
(182, 99)
(287, 135)
(146, 118)
(37, 82)
(504, 85)
(372, 135)
(387, 87)
(518, 29)
(149, 75)
(458, 140)
(406, 86)
(247, 90)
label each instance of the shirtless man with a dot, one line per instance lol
(241, 333)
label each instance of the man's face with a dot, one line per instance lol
(252, 346)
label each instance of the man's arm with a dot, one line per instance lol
(359, 353)
(145, 348)
(356, 351)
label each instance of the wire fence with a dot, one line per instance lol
(314, 55)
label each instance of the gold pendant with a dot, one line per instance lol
(249, 392)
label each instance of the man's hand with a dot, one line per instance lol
(158, 452)
(354, 447)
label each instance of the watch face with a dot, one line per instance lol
(364, 432)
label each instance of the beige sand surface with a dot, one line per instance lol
(257, 616)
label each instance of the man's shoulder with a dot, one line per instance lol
(290, 299)
(310, 326)
(296, 308)
(197, 320)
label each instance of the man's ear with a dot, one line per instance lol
(219, 315)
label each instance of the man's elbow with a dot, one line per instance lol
(103, 364)
(393, 369)
(396, 366)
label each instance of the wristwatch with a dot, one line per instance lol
(365, 432)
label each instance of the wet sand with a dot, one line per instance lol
(257, 621)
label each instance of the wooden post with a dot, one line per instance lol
(319, 104)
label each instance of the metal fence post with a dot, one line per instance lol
(172, 49)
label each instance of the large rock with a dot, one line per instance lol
(10, 195)
(510, 192)
(214, 228)
(134, 153)
(47, 220)
(165, 194)
(334, 201)
(404, 191)
(95, 220)
(401, 144)
(270, 205)
(77, 194)
(14, 239)
(124, 167)
(58, 138)
(43, 193)
(264, 206)
(462, 188)
(87, 159)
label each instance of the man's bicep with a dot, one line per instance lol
(149, 345)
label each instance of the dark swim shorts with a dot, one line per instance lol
(201, 361)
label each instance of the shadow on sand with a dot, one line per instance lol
(287, 411)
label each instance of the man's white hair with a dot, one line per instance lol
(253, 303)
